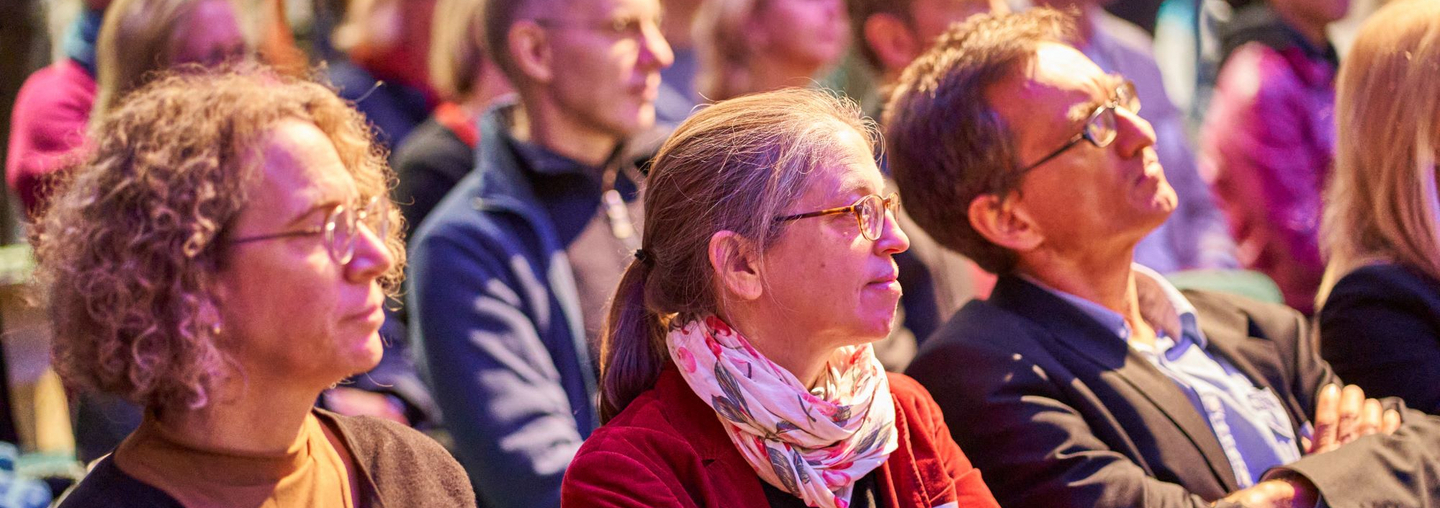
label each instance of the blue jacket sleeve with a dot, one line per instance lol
(475, 326)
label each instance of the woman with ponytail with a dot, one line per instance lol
(736, 363)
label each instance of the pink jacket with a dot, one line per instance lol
(1268, 143)
(47, 127)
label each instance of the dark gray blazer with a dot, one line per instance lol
(1057, 412)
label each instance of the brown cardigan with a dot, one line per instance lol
(399, 468)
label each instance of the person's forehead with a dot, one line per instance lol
(1057, 79)
(301, 165)
(851, 174)
(604, 8)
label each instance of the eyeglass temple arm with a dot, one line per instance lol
(273, 236)
(827, 211)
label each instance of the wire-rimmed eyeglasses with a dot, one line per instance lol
(1101, 128)
(340, 230)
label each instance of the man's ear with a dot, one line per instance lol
(891, 39)
(736, 265)
(1004, 222)
(530, 50)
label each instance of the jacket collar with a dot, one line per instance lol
(1083, 336)
(503, 187)
(912, 473)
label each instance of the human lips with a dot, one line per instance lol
(648, 89)
(1150, 171)
(372, 313)
(886, 282)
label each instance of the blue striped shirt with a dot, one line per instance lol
(1248, 420)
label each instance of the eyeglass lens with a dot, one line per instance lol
(871, 212)
(342, 229)
(1102, 128)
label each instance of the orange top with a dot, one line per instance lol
(310, 473)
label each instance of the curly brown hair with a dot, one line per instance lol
(129, 248)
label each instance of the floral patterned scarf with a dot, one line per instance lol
(812, 445)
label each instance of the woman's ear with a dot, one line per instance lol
(889, 37)
(736, 265)
(530, 50)
(1004, 223)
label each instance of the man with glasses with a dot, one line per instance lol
(1087, 380)
(512, 270)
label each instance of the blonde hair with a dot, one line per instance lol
(353, 31)
(135, 40)
(732, 166)
(1382, 199)
(723, 47)
(457, 47)
(129, 250)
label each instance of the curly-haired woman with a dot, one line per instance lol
(737, 367)
(220, 258)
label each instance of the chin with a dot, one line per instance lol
(877, 328)
(366, 355)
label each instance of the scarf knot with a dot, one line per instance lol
(814, 445)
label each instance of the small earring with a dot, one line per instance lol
(215, 328)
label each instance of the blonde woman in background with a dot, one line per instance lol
(140, 37)
(1380, 298)
(749, 46)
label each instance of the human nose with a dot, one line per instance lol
(1132, 133)
(893, 240)
(372, 257)
(654, 49)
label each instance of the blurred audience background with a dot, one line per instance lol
(1241, 94)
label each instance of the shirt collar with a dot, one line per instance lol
(1160, 302)
(539, 159)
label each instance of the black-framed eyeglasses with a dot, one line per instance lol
(869, 213)
(1101, 128)
(340, 229)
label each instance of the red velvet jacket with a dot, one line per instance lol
(667, 449)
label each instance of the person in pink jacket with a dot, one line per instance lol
(736, 364)
(1269, 138)
(52, 109)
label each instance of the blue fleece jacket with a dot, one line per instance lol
(497, 325)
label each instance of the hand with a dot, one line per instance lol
(1289, 491)
(1342, 416)
(357, 402)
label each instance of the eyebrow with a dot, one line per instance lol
(322, 207)
(1082, 111)
(853, 186)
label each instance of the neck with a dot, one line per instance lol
(547, 126)
(490, 85)
(780, 341)
(675, 26)
(768, 74)
(261, 418)
(1312, 32)
(1105, 279)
